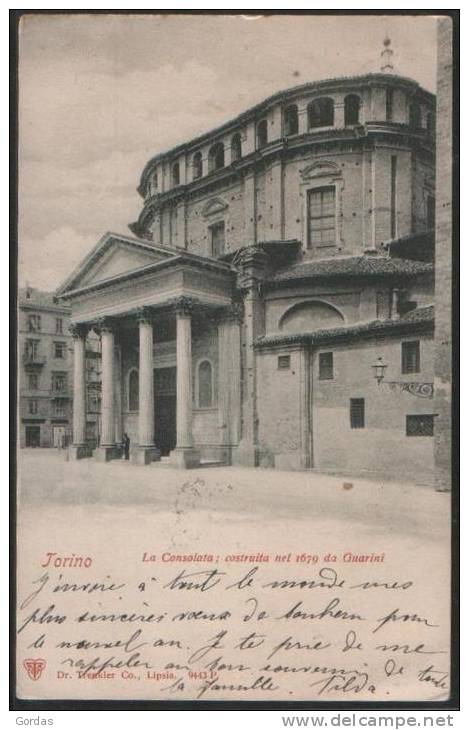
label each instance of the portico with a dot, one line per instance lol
(145, 319)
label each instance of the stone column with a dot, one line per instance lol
(302, 117)
(276, 198)
(339, 114)
(79, 448)
(118, 394)
(107, 449)
(252, 263)
(146, 451)
(184, 455)
(229, 378)
(250, 208)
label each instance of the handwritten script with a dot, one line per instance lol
(273, 627)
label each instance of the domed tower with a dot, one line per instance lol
(341, 165)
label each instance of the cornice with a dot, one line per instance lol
(324, 85)
(282, 149)
(180, 259)
(350, 334)
(51, 308)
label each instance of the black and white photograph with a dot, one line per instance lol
(235, 372)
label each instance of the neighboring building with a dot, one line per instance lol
(45, 360)
(443, 258)
(280, 263)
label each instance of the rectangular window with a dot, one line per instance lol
(430, 212)
(419, 425)
(59, 382)
(58, 326)
(326, 366)
(321, 217)
(389, 104)
(33, 381)
(411, 357)
(59, 350)
(383, 304)
(33, 407)
(94, 403)
(217, 232)
(34, 323)
(31, 349)
(283, 362)
(357, 413)
(393, 194)
(59, 408)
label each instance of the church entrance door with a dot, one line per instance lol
(165, 409)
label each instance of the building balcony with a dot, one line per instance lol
(32, 360)
(61, 394)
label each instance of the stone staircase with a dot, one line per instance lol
(165, 463)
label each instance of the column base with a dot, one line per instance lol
(107, 453)
(245, 455)
(78, 451)
(144, 455)
(184, 458)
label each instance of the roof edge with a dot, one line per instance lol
(362, 330)
(273, 98)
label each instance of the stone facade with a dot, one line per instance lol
(277, 259)
(45, 358)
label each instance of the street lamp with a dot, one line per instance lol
(379, 368)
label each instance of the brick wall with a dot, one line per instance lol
(363, 202)
(382, 448)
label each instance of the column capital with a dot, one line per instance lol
(252, 263)
(78, 330)
(104, 324)
(183, 306)
(144, 315)
(233, 313)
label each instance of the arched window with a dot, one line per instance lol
(216, 157)
(389, 104)
(352, 109)
(290, 120)
(310, 316)
(205, 384)
(175, 173)
(261, 133)
(132, 390)
(235, 147)
(415, 117)
(153, 184)
(321, 113)
(197, 165)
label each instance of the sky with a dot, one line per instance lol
(101, 94)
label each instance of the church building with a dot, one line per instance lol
(274, 304)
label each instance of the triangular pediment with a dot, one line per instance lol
(320, 169)
(113, 256)
(215, 205)
(117, 260)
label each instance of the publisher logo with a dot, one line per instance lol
(34, 667)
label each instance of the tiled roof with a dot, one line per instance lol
(421, 318)
(31, 297)
(351, 266)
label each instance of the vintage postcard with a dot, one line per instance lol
(234, 431)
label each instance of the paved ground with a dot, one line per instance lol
(255, 495)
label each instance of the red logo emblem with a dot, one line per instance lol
(34, 667)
